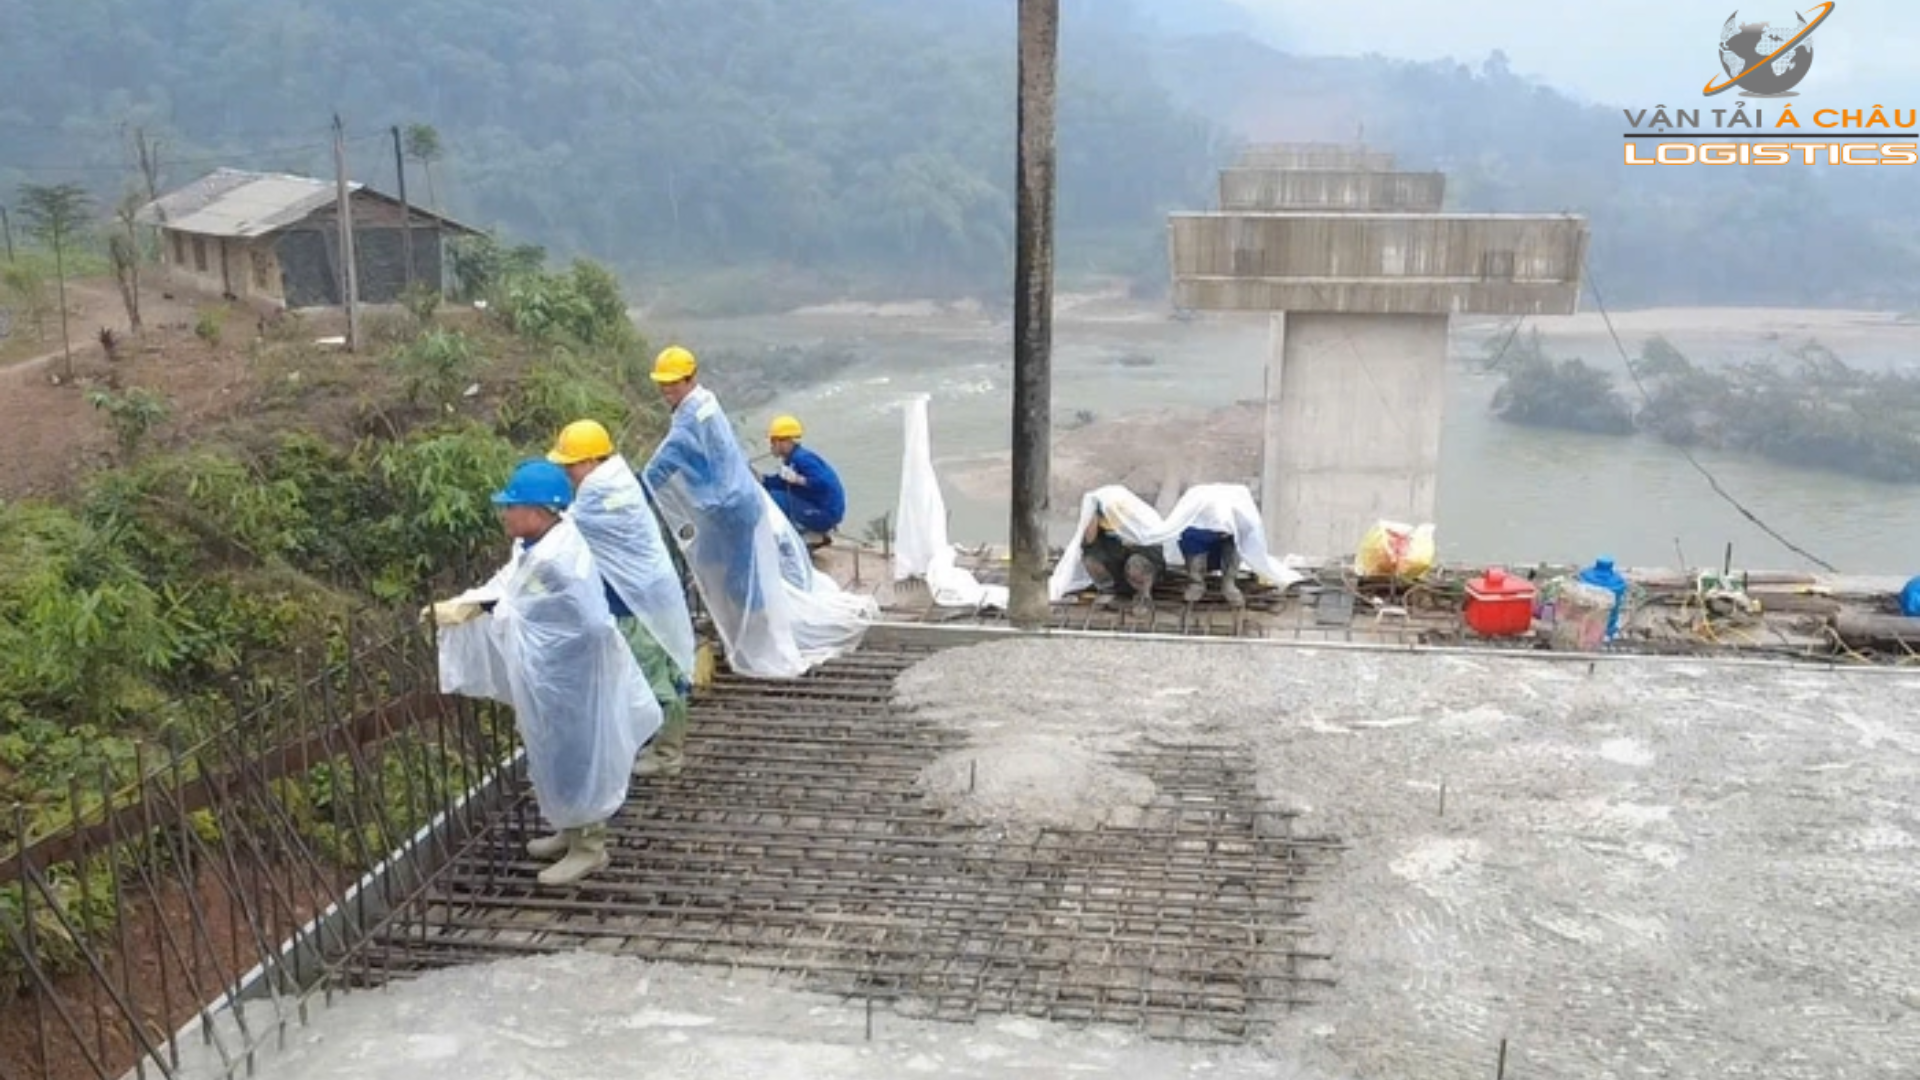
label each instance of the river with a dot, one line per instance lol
(1507, 494)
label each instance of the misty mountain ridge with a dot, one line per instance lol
(867, 145)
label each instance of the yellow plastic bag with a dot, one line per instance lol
(1393, 549)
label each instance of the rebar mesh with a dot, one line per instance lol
(796, 843)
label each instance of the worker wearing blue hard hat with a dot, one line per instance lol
(551, 649)
(535, 485)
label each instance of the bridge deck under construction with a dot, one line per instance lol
(796, 842)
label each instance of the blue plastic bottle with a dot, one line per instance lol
(1602, 574)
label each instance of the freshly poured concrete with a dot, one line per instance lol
(1655, 869)
(585, 1016)
(1646, 869)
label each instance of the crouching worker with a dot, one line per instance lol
(643, 589)
(1207, 551)
(540, 637)
(1119, 569)
(806, 488)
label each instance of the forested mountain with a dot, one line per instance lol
(866, 140)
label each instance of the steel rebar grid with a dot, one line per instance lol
(152, 902)
(797, 843)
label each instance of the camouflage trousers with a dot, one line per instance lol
(670, 688)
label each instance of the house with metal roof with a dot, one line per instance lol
(275, 239)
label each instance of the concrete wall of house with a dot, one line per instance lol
(1354, 410)
(220, 266)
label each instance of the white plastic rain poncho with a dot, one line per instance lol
(1226, 508)
(550, 649)
(921, 548)
(613, 515)
(775, 616)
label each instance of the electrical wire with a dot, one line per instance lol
(1499, 357)
(208, 161)
(1633, 372)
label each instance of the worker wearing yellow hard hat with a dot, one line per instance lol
(643, 588)
(704, 488)
(583, 442)
(806, 488)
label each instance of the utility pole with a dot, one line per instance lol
(406, 213)
(343, 211)
(6, 226)
(1033, 314)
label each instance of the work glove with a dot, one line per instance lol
(791, 477)
(451, 612)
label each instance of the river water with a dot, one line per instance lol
(1507, 494)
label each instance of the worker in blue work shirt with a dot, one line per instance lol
(806, 488)
(1211, 551)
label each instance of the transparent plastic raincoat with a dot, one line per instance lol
(921, 548)
(550, 649)
(613, 515)
(1226, 508)
(776, 617)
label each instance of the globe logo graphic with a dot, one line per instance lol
(1765, 60)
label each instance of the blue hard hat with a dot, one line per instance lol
(536, 482)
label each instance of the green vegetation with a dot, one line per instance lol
(1807, 409)
(180, 584)
(867, 141)
(361, 486)
(1540, 391)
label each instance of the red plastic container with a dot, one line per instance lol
(1499, 605)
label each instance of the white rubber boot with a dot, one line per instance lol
(1229, 570)
(586, 854)
(548, 847)
(1196, 578)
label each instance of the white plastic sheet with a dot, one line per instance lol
(921, 548)
(1227, 508)
(613, 515)
(773, 626)
(550, 649)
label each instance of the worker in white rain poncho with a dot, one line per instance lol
(775, 616)
(643, 588)
(540, 637)
(1121, 539)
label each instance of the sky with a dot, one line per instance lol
(1621, 52)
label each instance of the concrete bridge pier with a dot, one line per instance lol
(1352, 425)
(1362, 273)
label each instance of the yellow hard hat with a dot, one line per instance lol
(582, 440)
(784, 427)
(674, 364)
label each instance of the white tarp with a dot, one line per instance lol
(550, 649)
(731, 533)
(921, 548)
(1227, 508)
(613, 515)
